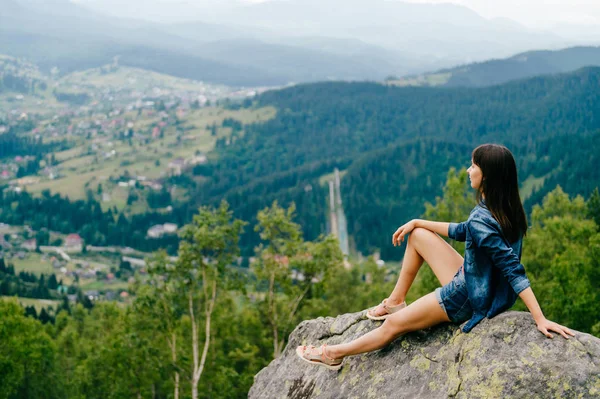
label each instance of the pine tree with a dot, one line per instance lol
(593, 207)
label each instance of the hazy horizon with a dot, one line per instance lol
(287, 41)
(536, 14)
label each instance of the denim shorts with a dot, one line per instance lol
(454, 299)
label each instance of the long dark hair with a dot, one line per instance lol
(500, 187)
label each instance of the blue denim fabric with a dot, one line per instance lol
(454, 298)
(494, 274)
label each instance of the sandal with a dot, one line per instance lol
(313, 355)
(389, 309)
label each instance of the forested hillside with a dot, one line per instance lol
(19, 76)
(398, 149)
(499, 71)
(549, 122)
(203, 329)
(394, 144)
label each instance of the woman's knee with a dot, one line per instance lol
(419, 234)
(392, 329)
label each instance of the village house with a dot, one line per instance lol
(198, 159)
(154, 185)
(5, 245)
(74, 242)
(92, 294)
(89, 274)
(25, 181)
(170, 228)
(29, 245)
(50, 173)
(156, 231)
(176, 166)
(159, 230)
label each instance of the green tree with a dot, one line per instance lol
(209, 245)
(593, 207)
(160, 301)
(561, 256)
(27, 356)
(290, 266)
(42, 237)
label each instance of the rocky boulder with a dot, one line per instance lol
(505, 357)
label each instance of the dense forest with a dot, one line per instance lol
(387, 138)
(12, 143)
(96, 227)
(201, 328)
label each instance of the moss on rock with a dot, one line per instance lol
(502, 357)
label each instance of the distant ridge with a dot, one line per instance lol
(520, 66)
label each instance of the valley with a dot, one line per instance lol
(183, 184)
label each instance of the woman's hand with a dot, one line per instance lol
(403, 230)
(545, 326)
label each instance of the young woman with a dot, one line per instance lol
(483, 284)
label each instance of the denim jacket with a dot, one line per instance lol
(494, 274)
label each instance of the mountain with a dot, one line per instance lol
(71, 37)
(302, 63)
(441, 31)
(391, 37)
(498, 71)
(306, 58)
(397, 144)
(179, 11)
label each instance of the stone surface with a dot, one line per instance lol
(505, 357)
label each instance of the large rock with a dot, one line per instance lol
(505, 357)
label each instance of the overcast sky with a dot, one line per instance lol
(534, 13)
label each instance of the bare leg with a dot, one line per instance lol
(424, 312)
(423, 245)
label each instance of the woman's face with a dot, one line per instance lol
(475, 175)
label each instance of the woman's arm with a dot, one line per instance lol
(441, 228)
(543, 324)
(488, 237)
(437, 227)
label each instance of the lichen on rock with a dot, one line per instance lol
(502, 357)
